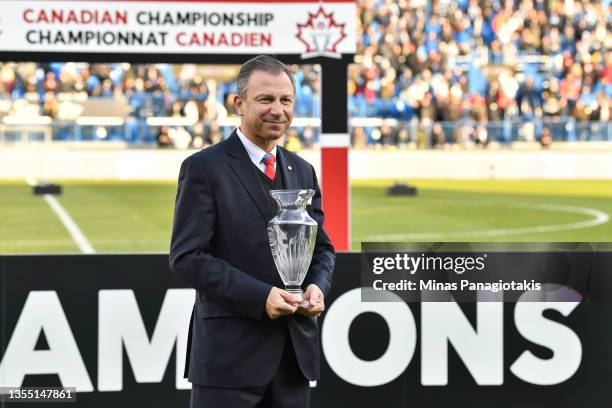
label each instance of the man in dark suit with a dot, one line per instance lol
(250, 345)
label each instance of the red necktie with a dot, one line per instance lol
(269, 161)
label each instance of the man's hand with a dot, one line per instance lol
(314, 297)
(280, 303)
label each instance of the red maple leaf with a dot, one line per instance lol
(321, 23)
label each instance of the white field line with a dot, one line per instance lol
(598, 218)
(70, 225)
(61, 242)
(67, 220)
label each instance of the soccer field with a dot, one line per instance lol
(137, 216)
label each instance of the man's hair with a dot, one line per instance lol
(263, 63)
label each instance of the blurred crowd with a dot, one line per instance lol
(443, 71)
(477, 61)
(146, 90)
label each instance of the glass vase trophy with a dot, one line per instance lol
(292, 234)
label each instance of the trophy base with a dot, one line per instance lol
(298, 294)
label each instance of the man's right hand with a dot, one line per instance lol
(280, 303)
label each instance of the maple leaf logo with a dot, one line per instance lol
(321, 34)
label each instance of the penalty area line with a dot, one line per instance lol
(71, 226)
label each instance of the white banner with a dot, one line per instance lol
(308, 28)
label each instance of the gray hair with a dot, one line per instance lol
(263, 63)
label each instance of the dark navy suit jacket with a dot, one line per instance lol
(220, 247)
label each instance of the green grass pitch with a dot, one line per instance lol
(119, 217)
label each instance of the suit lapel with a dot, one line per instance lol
(287, 169)
(240, 163)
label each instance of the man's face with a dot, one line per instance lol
(266, 109)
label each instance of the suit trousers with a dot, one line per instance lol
(287, 389)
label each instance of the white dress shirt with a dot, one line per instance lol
(255, 152)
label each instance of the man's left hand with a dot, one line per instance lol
(314, 297)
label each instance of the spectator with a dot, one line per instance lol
(163, 137)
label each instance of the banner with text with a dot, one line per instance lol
(307, 28)
(111, 330)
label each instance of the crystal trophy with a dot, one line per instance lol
(292, 234)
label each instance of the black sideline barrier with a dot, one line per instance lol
(100, 314)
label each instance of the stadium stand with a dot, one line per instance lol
(427, 74)
(472, 71)
(163, 103)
